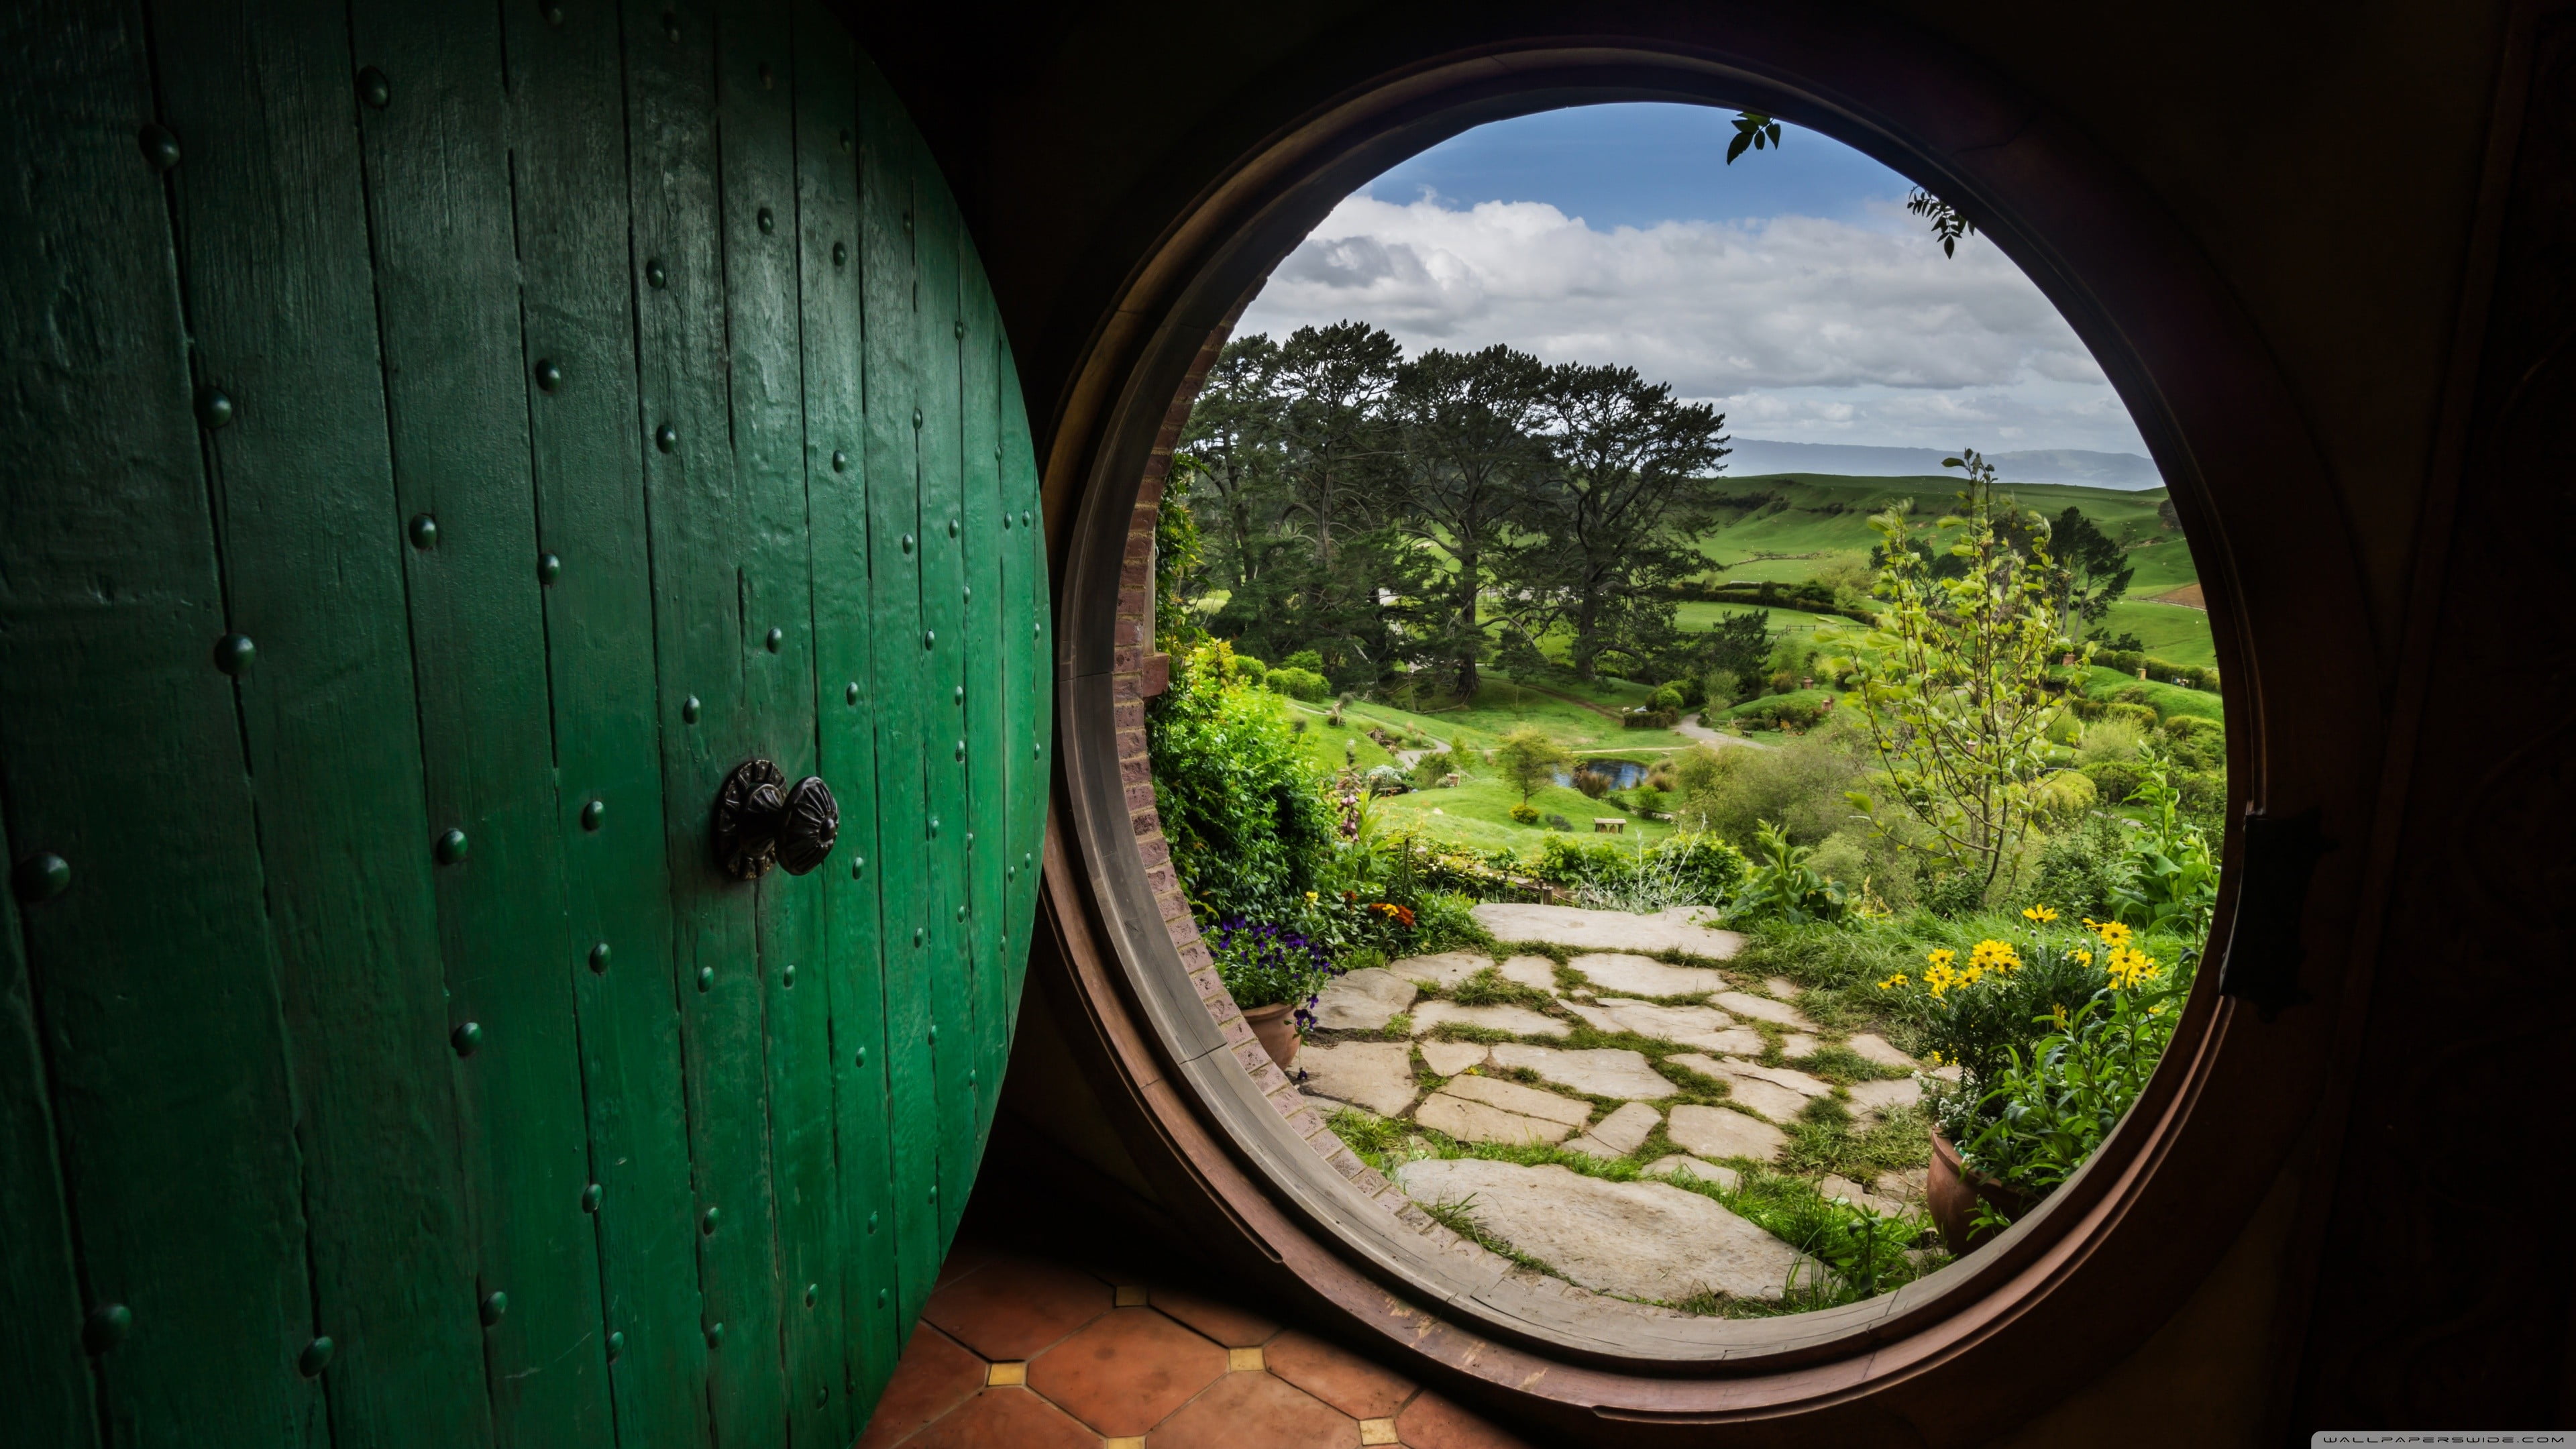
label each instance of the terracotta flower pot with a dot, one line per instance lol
(1276, 1027)
(1951, 1193)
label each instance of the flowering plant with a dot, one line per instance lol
(1264, 965)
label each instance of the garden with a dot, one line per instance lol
(1734, 970)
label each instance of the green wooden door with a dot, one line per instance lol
(440, 443)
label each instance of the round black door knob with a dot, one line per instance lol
(761, 821)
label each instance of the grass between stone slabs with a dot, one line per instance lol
(1787, 1207)
(1458, 1217)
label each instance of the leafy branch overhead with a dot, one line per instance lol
(1755, 131)
(1947, 223)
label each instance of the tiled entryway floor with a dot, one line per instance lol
(1019, 1352)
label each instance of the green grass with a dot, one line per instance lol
(1829, 513)
(2167, 699)
(2170, 631)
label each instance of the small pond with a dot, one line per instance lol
(1622, 773)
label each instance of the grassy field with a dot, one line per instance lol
(1818, 520)
(1477, 813)
(2168, 699)
(2169, 631)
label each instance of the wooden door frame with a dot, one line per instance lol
(1987, 1342)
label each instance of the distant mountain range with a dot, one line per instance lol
(1756, 456)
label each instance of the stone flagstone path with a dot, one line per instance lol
(1472, 1045)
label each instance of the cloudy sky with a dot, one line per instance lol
(1790, 288)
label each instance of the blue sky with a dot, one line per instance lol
(1790, 288)
(1636, 165)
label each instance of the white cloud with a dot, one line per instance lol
(1804, 329)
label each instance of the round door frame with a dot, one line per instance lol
(1992, 1339)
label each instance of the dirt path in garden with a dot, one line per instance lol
(1490, 1087)
(1691, 729)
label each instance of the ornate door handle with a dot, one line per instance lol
(761, 821)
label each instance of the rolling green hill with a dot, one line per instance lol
(1793, 526)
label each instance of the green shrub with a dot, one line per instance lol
(2172, 876)
(2064, 797)
(1299, 683)
(2196, 744)
(1243, 808)
(2133, 712)
(1252, 670)
(1525, 813)
(1668, 699)
(1529, 758)
(1789, 709)
(1803, 785)
(1783, 886)
(1306, 659)
(2078, 870)
(2114, 781)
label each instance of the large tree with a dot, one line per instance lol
(1233, 434)
(2092, 574)
(1607, 524)
(1302, 467)
(1337, 456)
(1464, 421)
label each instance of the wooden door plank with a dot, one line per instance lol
(755, 95)
(577, 350)
(439, 204)
(120, 753)
(1032, 688)
(827, 212)
(899, 662)
(53, 1396)
(987, 674)
(943, 580)
(272, 224)
(698, 524)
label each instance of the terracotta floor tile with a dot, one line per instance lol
(1124, 1372)
(1013, 1308)
(1256, 1411)
(1228, 1325)
(1005, 1419)
(934, 1377)
(1432, 1422)
(1340, 1378)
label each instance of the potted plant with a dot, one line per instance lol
(1274, 974)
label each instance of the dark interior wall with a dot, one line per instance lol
(2348, 171)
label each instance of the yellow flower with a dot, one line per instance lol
(2038, 914)
(2113, 933)
(1934, 1059)
(1311, 898)
(1942, 957)
(1893, 981)
(1994, 956)
(2128, 966)
(1969, 976)
(2083, 958)
(2057, 1015)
